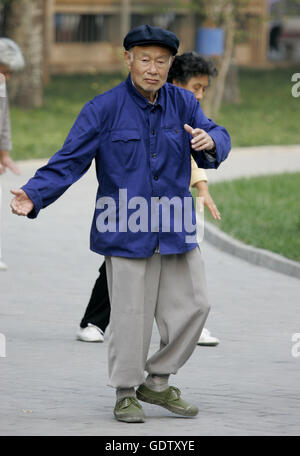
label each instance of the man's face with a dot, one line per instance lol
(196, 84)
(149, 67)
(5, 71)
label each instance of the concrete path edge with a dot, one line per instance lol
(254, 255)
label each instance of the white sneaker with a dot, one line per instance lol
(90, 334)
(207, 339)
(3, 266)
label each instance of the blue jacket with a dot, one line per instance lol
(138, 147)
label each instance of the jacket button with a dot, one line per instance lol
(155, 178)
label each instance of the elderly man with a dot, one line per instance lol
(141, 134)
(11, 59)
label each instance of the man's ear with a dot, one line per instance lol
(127, 58)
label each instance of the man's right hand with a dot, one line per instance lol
(21, 204)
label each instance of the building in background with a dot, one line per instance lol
(87, 35)
(284, 30)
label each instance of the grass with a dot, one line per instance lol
(261, 211)
(267, 114)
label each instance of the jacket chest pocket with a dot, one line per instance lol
(126, 146)
(174, 137)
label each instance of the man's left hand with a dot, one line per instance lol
(201, 140)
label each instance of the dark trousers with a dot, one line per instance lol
(98, 309)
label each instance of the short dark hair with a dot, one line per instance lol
(190, 64)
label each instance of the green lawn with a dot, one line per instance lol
(261, 211)
(268, 114)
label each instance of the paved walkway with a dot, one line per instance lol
(51, 384)
(255, 161)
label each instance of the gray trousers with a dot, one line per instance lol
(169, 288)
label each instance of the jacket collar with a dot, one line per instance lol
(140, 99)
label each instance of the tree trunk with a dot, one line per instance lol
(229, 46)
(24, 25)
(216, 93)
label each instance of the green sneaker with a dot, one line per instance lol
(128, 409)
(169, 399)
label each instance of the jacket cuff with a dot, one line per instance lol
(35, 197)
(198, 175)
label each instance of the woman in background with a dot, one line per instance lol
(11, 59)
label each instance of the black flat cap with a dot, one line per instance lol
(147, 35)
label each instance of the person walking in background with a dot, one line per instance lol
(11, 59)
(192, 72)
